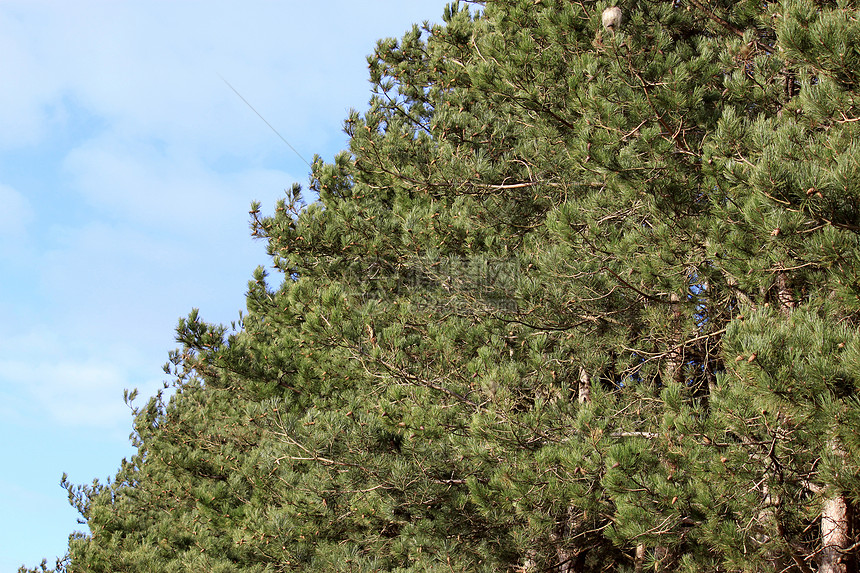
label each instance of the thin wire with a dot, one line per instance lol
(264, 120)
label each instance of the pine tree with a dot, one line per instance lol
(572, 300)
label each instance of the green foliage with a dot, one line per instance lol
(570, 301)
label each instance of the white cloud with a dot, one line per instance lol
(103, 58)
(60, 376)
(75, 393)
(26, 87)
(148, 69)
(15, 213)
(141, 183)
(106, 283)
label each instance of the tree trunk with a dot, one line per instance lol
(673, 365)
(784, 297)
(639, 560)
(584, 386)
(834, 536)
(835, 528)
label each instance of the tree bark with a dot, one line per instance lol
(584, 396)
(784, 297)
(835, 527)
(639, 560)
(834, 536)
(673, 365)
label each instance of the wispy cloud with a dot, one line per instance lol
(74, 394)
(153, 185)
(15, 214)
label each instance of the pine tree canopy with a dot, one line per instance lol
(572, 300)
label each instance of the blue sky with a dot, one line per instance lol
(126, 170)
